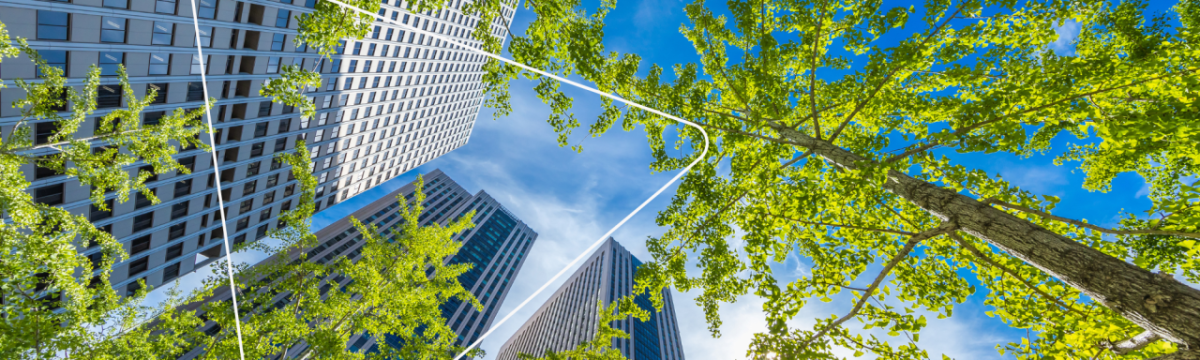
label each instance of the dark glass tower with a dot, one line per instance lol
(496, 247)
(569, 317)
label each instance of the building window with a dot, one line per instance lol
(252, 169)
(273, 65)
(160, 89)
(281, 18)
(143, 221)
(280, 144)
(138, 266)
(269, 198)
(133, 288)
(97, 214)
(110, 62)
(49, 195)
(260, 129)
(188, 163)
(195, 91)
(335, 66)
(112, 29)
(165, 6)
(174, 251)
(264, 215)
(40, 172)
(116, 4)
(163, 33)
(179, 210)
(159, 64)
(108, 96)
(206, 36)
(277, 42)
(43, 131)
(139, 245)
(262, 232)
(171, 272)
(242, 224)
(264, 109)
(183, 187)
(196, 66)
(353, 67)
(152, 118)
(52, 25)
(55, 59)
(208, 9)
(143, 200)
(256, 149)
(177, 231)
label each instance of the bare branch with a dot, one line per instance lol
(1135, 343)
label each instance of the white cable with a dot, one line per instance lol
(217, 177)
(590, 89)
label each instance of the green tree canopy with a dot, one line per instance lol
(53, 296)
(825, 139)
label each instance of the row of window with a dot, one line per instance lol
(54, 25)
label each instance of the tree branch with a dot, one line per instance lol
(901, 255)
(1135, 343)
(887, 78)
(817, 223)
(968, 129)
(1089, 226)
(981, 256)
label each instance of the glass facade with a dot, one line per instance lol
(569, 317)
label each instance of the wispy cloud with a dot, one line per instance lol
(1067, 32)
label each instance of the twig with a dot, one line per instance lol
(901, 255)
(900, 232)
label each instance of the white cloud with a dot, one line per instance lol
(1039, 179)
(1067, 32)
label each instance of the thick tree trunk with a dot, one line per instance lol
(1157, 303)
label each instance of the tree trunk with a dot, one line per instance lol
(1157, 303)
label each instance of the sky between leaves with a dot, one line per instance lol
(571, 199)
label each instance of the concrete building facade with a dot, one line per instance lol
(568, 318)
(386, 104)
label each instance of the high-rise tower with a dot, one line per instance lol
(386, 104)
(569, 317)
(496, 247)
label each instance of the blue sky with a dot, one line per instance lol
(571, 199)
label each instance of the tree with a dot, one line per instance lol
(398, 284)
(600, 347)
(824, 135)
(52, 295)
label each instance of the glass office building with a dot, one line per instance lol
(497, 247)
(386, 104)
(569, 317)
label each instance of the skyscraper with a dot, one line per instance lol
(569, 317)
(496, 247)
(386, 104)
